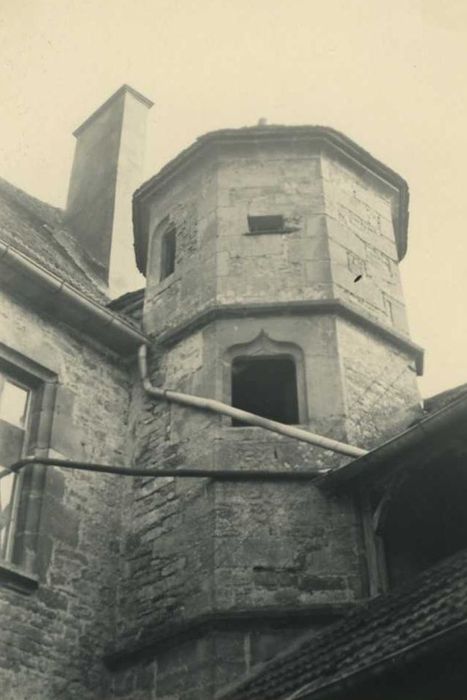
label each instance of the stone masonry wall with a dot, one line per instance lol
(53, 638)
(339, 223)
(361, 238)
(272, 267)
(198, 546)
(284, 545)
(380, 382)
(190, 205)
(194, 547)
(205, 547)
(204, 663)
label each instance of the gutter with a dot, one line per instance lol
(46, 290)
(402, 446)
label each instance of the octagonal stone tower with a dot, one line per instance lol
(271, 256)
(283, 241)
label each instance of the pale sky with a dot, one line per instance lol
(390, 75)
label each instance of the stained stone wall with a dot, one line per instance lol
(202, 551)
(53, 636)
(183, 585)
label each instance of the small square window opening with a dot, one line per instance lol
(266, 224)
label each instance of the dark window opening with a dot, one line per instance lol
(266, 386)
(427, 521)
(266, 224)
(168, 250)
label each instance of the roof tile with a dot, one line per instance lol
(38, 231)
(384, 626)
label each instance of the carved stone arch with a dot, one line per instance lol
(262, 345)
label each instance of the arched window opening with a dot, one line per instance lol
(168, 251)
(426, 521)
(266, 386)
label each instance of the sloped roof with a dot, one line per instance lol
(38, 231)
(377, 633)
(444, 398)
(443, 420)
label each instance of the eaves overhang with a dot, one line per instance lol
(430, 436)
(48, 293)
(262, 135)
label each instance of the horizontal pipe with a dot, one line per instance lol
(222, 474)
(104, 319)
(245, 416)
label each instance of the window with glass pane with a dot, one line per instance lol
(14, 405)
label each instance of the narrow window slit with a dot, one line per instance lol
(168, 251)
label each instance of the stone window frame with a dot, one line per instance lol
(156, 256)
(15, 427)
(264, 345)
(378, 582)
(168, 252)
(20, 570)
(273, 224)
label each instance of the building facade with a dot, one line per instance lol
(269, 258)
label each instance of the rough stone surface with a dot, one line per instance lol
(53, 639)
(339, 223)
(197, 548)
(141, 569)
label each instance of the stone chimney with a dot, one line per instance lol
(107, 169)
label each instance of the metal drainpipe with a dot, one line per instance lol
(245, 416)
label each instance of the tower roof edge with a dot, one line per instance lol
(263, 134)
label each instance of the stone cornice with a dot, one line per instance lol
(174, 633)
(335, 307)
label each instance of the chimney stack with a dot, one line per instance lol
(107, 169)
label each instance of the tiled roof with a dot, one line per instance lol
(376, 633)
(438, 401)
(443, 419)
(38, 231)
